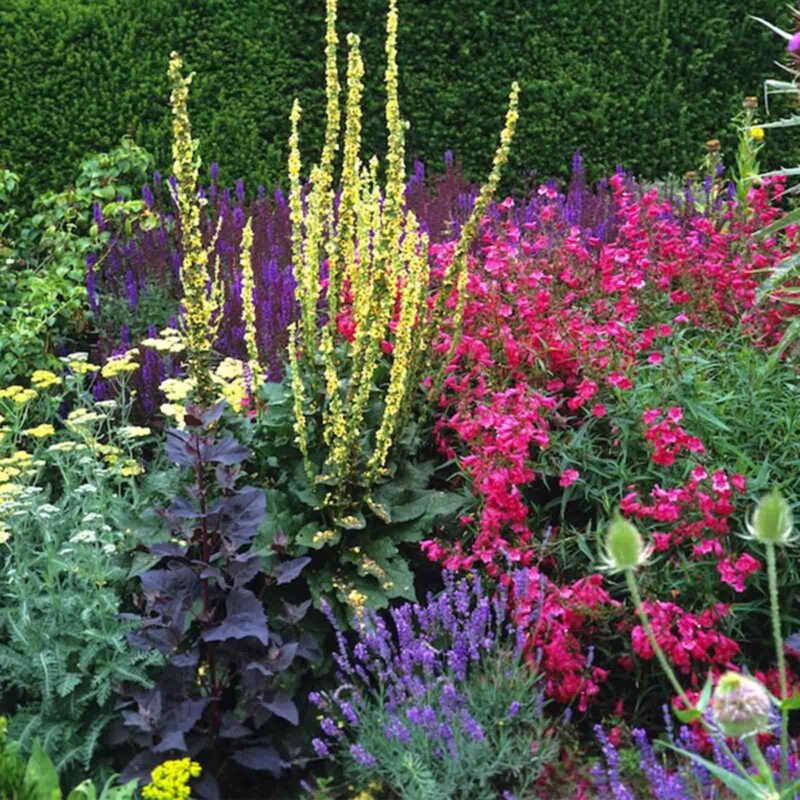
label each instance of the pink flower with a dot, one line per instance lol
(620, 381)
(598, 410)
(655, 358)
(568, 477)
(793, 45)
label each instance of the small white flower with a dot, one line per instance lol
(92, 517)
(108, 549)
(84, 537)
(86, 488)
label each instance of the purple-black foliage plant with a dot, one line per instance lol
(215, 609)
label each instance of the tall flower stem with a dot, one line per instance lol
(633, 588)
(662, 659)
(772, 574)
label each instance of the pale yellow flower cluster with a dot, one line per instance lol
(121, 364)
(167, 341)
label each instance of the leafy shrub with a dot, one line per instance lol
(38, 779)
(444, 705)
(626, 83)
(70, 497)
(225, 676)
(44, 265)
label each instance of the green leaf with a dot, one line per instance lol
(790, 703)
(84, 791)
(745, 790)
(41, 775)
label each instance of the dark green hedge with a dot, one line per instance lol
(638, 82)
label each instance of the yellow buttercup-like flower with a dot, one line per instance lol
(40, 431)
(757, 134)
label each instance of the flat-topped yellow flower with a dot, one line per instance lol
(82, 416)
(43, 378)
(118, 365)
(83, 367)
(40, 431)
(134, 431)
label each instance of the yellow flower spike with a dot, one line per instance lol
(298, 390)
(201, 317)
(248, 287)
(456, 273)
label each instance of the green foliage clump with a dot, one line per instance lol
(43, 267)
(625, 81)
(69, 501)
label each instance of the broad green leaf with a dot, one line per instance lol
(41, 775)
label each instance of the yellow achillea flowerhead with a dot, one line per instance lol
(170, 780)
(43, 378)
(120, 365)
(40, 431)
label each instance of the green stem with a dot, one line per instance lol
(772, 574)
(757, 757)
(662, 659)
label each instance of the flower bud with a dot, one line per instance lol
(750, 103)
(624, 546)
(713, 145)
(771, 522)
(741, 705)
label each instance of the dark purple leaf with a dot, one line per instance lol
(167, 550)
(181, 447)
(189, 659)
(206, 787)
(283, 706)
(184, 716)
(294, 614)
(287, 571)
(181, 508)
(259, 758)
(173, 740)
(232, 728)
(175, 582)
(242, 514)
(245, 618)
(308, 648)
(244, 568)
(227, 452)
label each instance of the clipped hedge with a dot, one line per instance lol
(626, 81)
